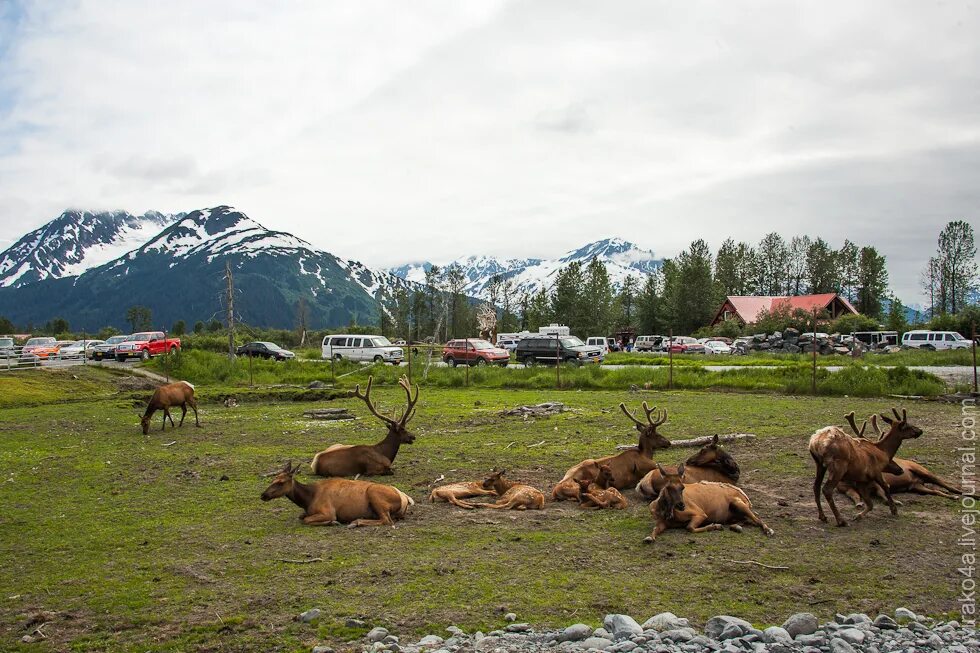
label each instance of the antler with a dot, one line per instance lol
(850, 420)
(874, 425)
(366, 398)
(653, 411)
(901, 418)
(630, 415)
(410, 408)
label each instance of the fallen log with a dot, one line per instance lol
(328, 414)
(697, 442)
(538, 410)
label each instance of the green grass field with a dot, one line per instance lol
(120, 543)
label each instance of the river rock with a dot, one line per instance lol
(776, 634)
(575, 633)
(717, 625)
(376, 634)
(621, 625)
(801, 623)
(665, 621)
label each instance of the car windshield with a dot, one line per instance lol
(114, 339)
(269, 345)
(77, 343)
(381, 341)
(957, 336)
(41, 341)
(6, 342)
(481, 344)
(572, 342)
(141, 337)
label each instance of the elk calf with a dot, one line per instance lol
(340, 501)
(700, 507)
(600, 493)
(453, 492)
(167, 396)
(711, 463)
(513, 495)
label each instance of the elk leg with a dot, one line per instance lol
(166, 414)
(852, 494)
(836, 476)
(868, 501)
(698, 518)
(458, 502)
(506, 505)
(926, 476)
(920, 488)
(743, 507)
(193, 403)
(817, 482)
(384, 518)
(326, 518)
(657, 530)
(183, 414)
(888, 495)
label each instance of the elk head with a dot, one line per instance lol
(713, 455)
(396, 427)
(605, 477)
(145, 423)
(671, 496)
(649, 438)
(495, 477)
(282, 483)
(899, 426)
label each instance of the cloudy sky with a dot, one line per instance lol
(392, 131)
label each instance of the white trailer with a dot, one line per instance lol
(554, 330)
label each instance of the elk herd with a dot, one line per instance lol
(702, 494)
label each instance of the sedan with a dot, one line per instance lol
(265, 350)
(716, 347)
(79, 348)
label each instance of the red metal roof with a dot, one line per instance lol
(748, 307)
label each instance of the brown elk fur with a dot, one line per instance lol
(627, 467)
(340, 501)
(700, 507)
(453, 492)
(369, 460)
(513, 495)
(599, 493)
(914, 477)
(167, 396)
(710, 463)
(860, 462)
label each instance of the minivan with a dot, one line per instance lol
(542, 349)
(922, 339)
(601, 343)
(359, 347)
(646, 343)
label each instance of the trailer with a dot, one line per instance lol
(554, 330)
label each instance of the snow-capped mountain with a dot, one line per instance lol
(76, 241)
(622, 258)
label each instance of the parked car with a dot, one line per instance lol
(268, 350)
(50, 350)
(36, 343)
(546, 349)
(716, 347)
(685, 345)
(510, 344)
(146, 344)
(355, 347)
(600, 342)
(400, 343)
(108, 348)
(473, 351)
(79, 348)
(612, 344)
(936, 340)
(7, 349)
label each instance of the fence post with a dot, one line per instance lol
(813, 345)
(670, 359)
(973, 335)
(250, 378)
(557, 362)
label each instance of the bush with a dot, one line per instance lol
(782, 318)
(852, 323)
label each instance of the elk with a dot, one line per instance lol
(700, 507)
(914, 477)
(711, 463)
(453, 492)
(513, 495)
(335, 501)
(627, 467)
(599, 493)
(369, 460)
(180, 394)
(859, 462)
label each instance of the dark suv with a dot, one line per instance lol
(542, 349)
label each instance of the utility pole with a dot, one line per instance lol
(813, 344)
(231, 310)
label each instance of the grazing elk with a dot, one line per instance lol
(600, 493)
(711, 463)
(513, 495)
(914, 477)
(340, 501)
(627, 467)
(164, 398)
(859, 462)
(700, 507)
(369, 460)
(453, 492)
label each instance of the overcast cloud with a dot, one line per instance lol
(392, 131)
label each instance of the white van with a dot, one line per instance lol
(601, 343)
(359, 347)
(934, 340)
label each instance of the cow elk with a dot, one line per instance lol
(453, 492)
(600, 493)
(858, 462)
(369, 460)
(513, 495)
(711, 463)
(915, 478)
(627, 467)
(166, 397)
(700, 507)
(335, 501)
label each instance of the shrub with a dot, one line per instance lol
(852, 323)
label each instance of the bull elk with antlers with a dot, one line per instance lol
(859, 462)
(711, 463)
(369, 460)
(627, 467)
(914, 478)
(340, 501)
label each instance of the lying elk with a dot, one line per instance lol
(453, 492)
(369, 460)
(166, 397)
(711, 463)
(600, 493)
(627, 467)
(914, 477)
(335, 501)
(700, 507)
(858, 462)
(513, 495)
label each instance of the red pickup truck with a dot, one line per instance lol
(146, 344)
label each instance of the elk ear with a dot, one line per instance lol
(660, 468)
(680, 470)
(714, 440)
(886, 419)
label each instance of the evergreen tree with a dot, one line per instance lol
(872, 282)
(821, 268)
(566, 300)
(848, 267)
(799, 249)
(772, 265)
(140, 318)
(648, 307)
(178, 329)
(957, 265)
(595, 303)
(896, 316)
(627, 303)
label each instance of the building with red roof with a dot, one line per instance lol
(747, 308)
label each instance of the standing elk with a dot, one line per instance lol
(859, 462)
(627, 467)
(914, 477)
(513, 495)
(700, 507)
(335, 501)
(453, 492)
(599, 493)
(369, 460)
(167, 396)
(711, 463)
